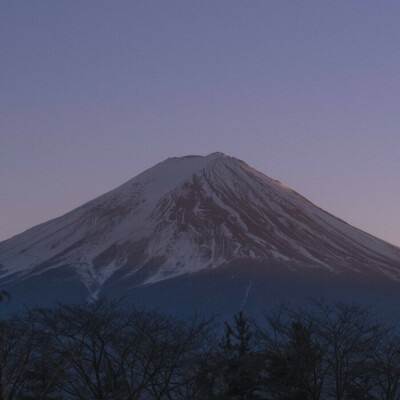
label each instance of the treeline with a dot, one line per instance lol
(106, 351)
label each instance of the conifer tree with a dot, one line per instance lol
(242, 364)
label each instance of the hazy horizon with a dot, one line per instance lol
(94, 93)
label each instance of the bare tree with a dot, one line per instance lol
(296, 368)
(386, 368)
(349, 335)
(105, 351)
(81, 338)
(164, 354)
(327, 351)
(17, 351)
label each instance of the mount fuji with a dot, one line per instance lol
(199, 233)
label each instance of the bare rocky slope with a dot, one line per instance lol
(186, 219)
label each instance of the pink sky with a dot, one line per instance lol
(92, 93)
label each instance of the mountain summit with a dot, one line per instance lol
(190, 214)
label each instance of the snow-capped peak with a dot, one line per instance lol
(191, 213)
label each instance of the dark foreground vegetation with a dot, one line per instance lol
(107, 351)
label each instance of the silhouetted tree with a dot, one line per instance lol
(349, 334)
(17, 351)
(386, 368)
(240, 366)
(104, 351)
(295, 367)
(107, 351)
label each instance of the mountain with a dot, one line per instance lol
(190, 229)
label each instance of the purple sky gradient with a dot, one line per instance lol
(93, 92)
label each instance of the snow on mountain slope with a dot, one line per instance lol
(188, 214)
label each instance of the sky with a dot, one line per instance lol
(94, 92)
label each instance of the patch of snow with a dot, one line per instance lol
(246, 294)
